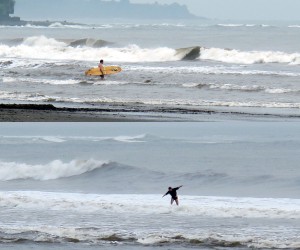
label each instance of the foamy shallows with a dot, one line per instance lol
(147, 220)
(223, 207)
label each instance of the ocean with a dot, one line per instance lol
(100, 185)
(233, 69)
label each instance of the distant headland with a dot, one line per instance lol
(6, 8)
(76, 9)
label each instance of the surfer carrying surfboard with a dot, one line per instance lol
(101, 68)
(173, 193)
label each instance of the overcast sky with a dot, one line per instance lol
(240, 9)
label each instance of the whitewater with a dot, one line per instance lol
(241, 73)
(41, 47)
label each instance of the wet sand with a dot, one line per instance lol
(125, 113)
(105, 113)
(50, 113)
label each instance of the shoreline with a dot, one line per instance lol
(126, 113)
(50, 113)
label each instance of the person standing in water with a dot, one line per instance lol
(101, 68)
(173, 193)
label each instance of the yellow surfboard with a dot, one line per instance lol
(108, 70)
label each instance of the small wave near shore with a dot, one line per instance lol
(101, 213)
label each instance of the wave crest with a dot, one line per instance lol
(89, 42)
(248, 57)
(51, 171)
(41, 47)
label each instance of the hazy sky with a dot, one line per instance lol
(240, 9)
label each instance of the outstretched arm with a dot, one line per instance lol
(165, 194)
(177, 187)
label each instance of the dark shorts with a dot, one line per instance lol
(175, 198)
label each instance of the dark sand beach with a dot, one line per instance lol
(107, 113)
(49, 113)
(124, 113)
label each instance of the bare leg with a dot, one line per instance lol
(177, 202)
(172, 200)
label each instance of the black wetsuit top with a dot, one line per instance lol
(173, 193)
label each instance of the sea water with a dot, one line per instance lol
(241, 68)
(100, 185)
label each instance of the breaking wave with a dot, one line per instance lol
(131, 206)
(192, 103)
(98, 236)
(113, 177)
(208, 206)
(62, 139)
(41, 47)
(249, 57)
(53, 170)
(241, 88)
(4, 95)
(89, 42)
(249, 25)
(65, 25)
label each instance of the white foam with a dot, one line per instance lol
(209, 237)
(50, 171)
(219, 69)
(191, 85)
(294, 26)
(61, 139)
(129, 139)
(247, 88)
(40, 81)
(63, 25)
(41, 47)
(108, 82)
(53, 139)
(217, 207)
(196, 103)
(42, 41)
(8, 79)
(230, 25)
(99, 219)
(248, 57)
(36, 97)
(71, 26)
(280, 91)
(235, 25)
(209, 103)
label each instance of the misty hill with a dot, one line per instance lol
(102, 9)
(6, 8)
